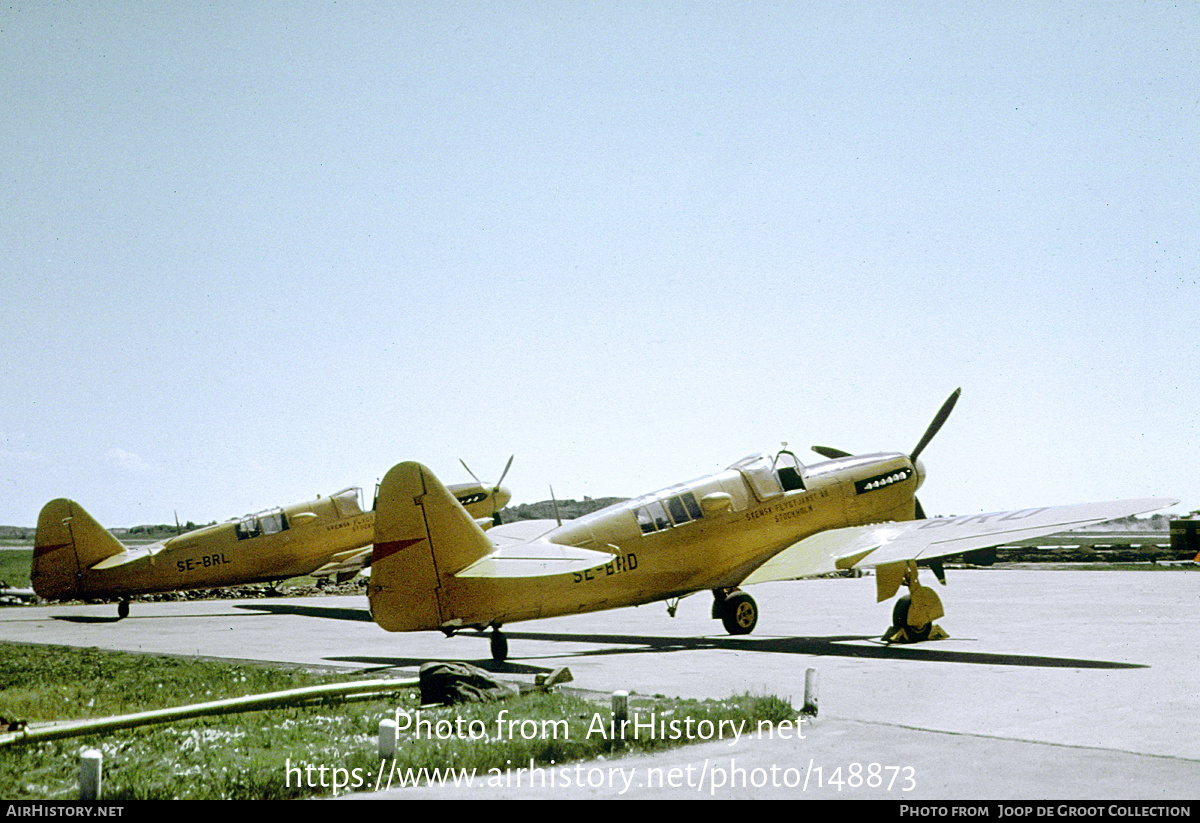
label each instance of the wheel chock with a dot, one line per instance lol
(901, 634)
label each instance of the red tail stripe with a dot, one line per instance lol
(383, 550)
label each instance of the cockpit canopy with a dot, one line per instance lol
(671, 507)
(348, 502)
(271, 521)
(771, 477)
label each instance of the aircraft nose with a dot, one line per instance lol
(920, 467)
(501, 498)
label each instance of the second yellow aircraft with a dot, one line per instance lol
(74, 557)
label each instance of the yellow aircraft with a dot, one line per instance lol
(764, 518)
(75, 557)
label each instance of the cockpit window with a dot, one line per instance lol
(645, 521)
(683, 508)
(247, 527)
(652, 516)
(790, 471)
(659, 513)
(271, 521)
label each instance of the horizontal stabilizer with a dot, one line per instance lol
(536, 559)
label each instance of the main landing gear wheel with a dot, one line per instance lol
(123, 609)
(913, 616)
(499, 646)
(915, 634)
(739, 613)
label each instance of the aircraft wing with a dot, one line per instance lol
(521, 531)
(884, 543)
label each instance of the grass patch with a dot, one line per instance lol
(268, 754)
(14, 567)
(40, 683)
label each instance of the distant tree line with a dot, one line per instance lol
(17, 533)
(567, 509)
(161, 531)
(1133, 523)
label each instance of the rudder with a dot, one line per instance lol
(422, 536)
(69, 541)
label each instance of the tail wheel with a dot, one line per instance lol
(739, 613)
(900, 621)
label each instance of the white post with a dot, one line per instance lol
(620, 712)
(810, 692)
(389, 738)
(90, 762)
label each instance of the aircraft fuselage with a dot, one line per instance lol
(74, 557)
(708, 533)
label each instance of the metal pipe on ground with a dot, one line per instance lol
(247, 703)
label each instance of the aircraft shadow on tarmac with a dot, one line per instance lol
(837, 646)
(360, 615)
(859, 646)
(96, 618)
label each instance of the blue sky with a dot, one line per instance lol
(253, 252)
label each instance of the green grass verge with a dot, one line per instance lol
(14, 567)
(301, 751)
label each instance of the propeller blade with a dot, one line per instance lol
(830, 452)
(938, 420)
(468, 468)
(504, 473)
(496, 519)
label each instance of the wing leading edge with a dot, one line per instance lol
(885, 543)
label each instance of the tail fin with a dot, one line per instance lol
(422, 536)
(69, 541)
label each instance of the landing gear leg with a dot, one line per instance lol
(123, 609)
(499, 645)
(913, 614)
